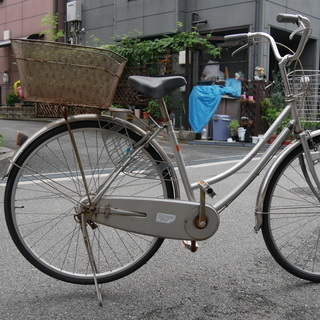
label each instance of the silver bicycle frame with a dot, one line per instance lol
(274, 147)
(290, 109)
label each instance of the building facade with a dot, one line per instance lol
(20, 19)
(109, 20)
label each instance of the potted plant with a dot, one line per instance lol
(271, 111)
(154, 109)
(270, 114)
(1, 140)
(12, 99)
(233, 126)
(273, 106)
(145, 114)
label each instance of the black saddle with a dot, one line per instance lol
(156, 87)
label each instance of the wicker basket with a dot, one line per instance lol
(305, 86)
(64, 74)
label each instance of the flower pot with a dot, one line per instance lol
(241, 133)
(145, 115)
(272, 138)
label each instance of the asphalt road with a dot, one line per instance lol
(232, 276)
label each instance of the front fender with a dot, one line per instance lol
(268, 176)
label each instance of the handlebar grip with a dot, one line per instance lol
(236, 37)
(286, 17)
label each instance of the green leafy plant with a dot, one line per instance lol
(233, 126)
(141, 52)
(273, 106)
(309, 125)
(154, 108)
(51, 21)
(118, 106)
(270, 112)
(1, 140)
(12, 99)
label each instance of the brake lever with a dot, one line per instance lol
(300, 28)
(250, 43)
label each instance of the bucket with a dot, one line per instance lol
(241, 133)
(220, 129)
(255, 139)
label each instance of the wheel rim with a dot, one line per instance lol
(292, 227)
(44, 202)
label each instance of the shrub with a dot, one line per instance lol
(12, 98)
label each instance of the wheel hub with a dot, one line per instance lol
(86, 208)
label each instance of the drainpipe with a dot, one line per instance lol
(256, 28)
(190, 69)
(259, 58)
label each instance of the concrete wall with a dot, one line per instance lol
(309, 8)
(98, 21)
(110, 19)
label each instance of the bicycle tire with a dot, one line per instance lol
(291, 219)
(44, 186)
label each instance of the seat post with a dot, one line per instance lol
(176, 150)
(164, 110)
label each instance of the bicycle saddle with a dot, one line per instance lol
(156, 87)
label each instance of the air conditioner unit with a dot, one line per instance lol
(6, 35)
(74, 12)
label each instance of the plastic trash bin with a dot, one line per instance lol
(220, 129)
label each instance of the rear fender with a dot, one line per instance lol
(92, 117)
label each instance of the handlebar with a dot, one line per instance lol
(303, 24)
(286, 17)
(236, 37)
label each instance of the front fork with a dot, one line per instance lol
(307, 163)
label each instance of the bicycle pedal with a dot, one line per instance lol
(190, 245)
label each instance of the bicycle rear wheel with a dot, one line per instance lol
(45, 187)
(291, 220)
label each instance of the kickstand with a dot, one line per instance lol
(91, 258)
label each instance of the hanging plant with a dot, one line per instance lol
(141, 52)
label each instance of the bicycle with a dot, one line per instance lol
(98, 210)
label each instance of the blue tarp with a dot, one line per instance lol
(204, 101)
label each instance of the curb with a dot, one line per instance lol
(30, 119)
(5, 153)
(222, 143)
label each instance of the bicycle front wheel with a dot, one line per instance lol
(45, 187)
(291, 220)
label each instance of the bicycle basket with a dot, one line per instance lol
(64, 74)
(305, 86)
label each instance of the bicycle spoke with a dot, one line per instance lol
(46, 194)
